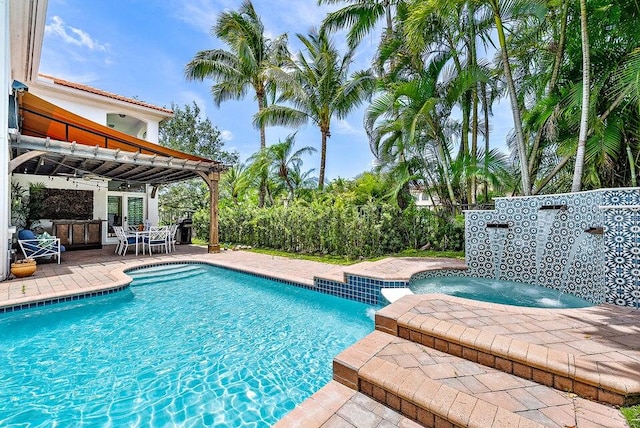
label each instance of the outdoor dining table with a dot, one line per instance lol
(140, 234)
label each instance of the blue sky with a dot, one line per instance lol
(138, 48)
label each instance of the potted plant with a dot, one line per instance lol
(19, 205)
(23, 268)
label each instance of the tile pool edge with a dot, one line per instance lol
(357, 287)
(123, 282)
(62, 298)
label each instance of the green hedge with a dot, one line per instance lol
(336, 228)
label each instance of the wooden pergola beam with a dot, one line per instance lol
(212, 179)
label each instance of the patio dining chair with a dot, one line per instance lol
(157, 238)
(171, 237)
(123, 240)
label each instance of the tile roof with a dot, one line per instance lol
(100, 92)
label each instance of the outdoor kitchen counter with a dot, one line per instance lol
(79, 234)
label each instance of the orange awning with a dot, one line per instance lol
(56, 142)
(41, 118)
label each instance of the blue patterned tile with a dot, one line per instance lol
(550, 247)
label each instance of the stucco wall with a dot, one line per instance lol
(96, 108)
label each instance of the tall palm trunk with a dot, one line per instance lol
(387, 7)
(263, 144)
(534, 155)
(584, 116)
(485, 110)
(323, 156)
(465, 106)
(632, 167)
(446, 169)
(515, 109)
(473, 156)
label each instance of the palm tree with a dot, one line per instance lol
(318, 89)
(556, 117)
(360, 16)
(234, 182)
(287, 162)
(408, 128)
(584, 115)
(501, 12)
(245, 65)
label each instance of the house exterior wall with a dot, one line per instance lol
(95, 107)
(5, 88)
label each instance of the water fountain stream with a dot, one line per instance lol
(589, 234)
(497, 236)
(546, 216)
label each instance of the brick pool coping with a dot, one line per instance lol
(604, 369)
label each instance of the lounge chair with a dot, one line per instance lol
(33, 246)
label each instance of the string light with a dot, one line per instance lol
(77, 180)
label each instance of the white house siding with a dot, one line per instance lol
(96, 107)
(5, 84)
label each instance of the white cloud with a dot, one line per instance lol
(300, 14)
(201, 14)
(74, 36)
(226, 135)
(342, 126)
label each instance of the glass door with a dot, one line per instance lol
(114, 214)
(124, 210)
(135, 210)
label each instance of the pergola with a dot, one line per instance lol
(55, 142)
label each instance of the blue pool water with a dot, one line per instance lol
(187, 345)
(497, 291)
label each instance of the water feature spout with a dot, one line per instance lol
(595, 230)
(546, 216)
(497, 236)
(497, 225)
(553, 207)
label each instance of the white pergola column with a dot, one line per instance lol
(5, 178)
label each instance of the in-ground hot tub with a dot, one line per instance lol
(498, 291)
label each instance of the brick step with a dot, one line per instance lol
(438, 389)
(608, 382)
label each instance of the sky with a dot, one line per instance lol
(139, 48)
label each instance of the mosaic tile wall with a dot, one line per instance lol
(361, 289)
(544, 240)
(621, 213)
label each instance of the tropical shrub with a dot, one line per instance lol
(338, 228)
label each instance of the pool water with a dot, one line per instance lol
(497, 291)
(186, 345)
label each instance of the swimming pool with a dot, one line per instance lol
(497, 291)
(186, 345)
